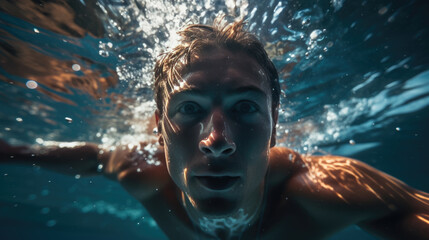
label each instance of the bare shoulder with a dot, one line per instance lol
(140, 168)
(352, 189)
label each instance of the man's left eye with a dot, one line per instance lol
(245, 107)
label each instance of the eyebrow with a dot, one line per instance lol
(251, 90)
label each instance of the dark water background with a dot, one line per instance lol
(355, 78)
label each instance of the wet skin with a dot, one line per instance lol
(216, 157)
(220, 124)
(217, 131)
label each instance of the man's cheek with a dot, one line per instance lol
(253, 138)
(176, 167)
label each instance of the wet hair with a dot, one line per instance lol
(196, 38)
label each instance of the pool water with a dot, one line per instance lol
(354, 75)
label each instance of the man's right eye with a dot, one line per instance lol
(190, 108)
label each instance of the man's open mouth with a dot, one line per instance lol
(217, 183)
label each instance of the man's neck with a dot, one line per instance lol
(230, 226)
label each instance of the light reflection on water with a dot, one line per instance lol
(353, 73)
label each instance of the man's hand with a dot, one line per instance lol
(139, 168)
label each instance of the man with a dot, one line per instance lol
(217, 174)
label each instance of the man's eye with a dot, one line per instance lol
(245, 107)
(189, 108)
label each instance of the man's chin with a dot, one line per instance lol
(217, 207)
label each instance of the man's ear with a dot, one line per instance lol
(158, 125)
(274, 131)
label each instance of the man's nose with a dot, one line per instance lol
(219, 142)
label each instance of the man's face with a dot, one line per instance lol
(217, 130)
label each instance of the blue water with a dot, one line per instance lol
(355, 80)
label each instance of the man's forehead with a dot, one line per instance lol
(227, 81)
(222, 57)
(222, 64)
(222, 71)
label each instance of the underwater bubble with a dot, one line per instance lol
(382, 10)
(100, 167)
(31, 84)
(32, 196)
(7, 129)
(368, 37)
(305, 21)
(337, 4)
(18, 119)
(45, 210)
(51, 223)
(36, 30)
(68, 119)
(103, 53)
(77, 176)
(314, 34)
(76, 67)
(398, 129)
(44, 192)
(352, 142)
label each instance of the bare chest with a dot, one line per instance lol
(280, 219)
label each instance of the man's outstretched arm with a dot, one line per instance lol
(68, 158)
(411, 222)
(139, 168)
(347, 191)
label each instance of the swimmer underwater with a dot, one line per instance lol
(220, 175)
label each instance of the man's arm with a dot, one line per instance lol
(68, 158)
(409, 223)
(139, 168)
(344, 191)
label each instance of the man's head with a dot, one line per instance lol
(196, 38)
(217, 95)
